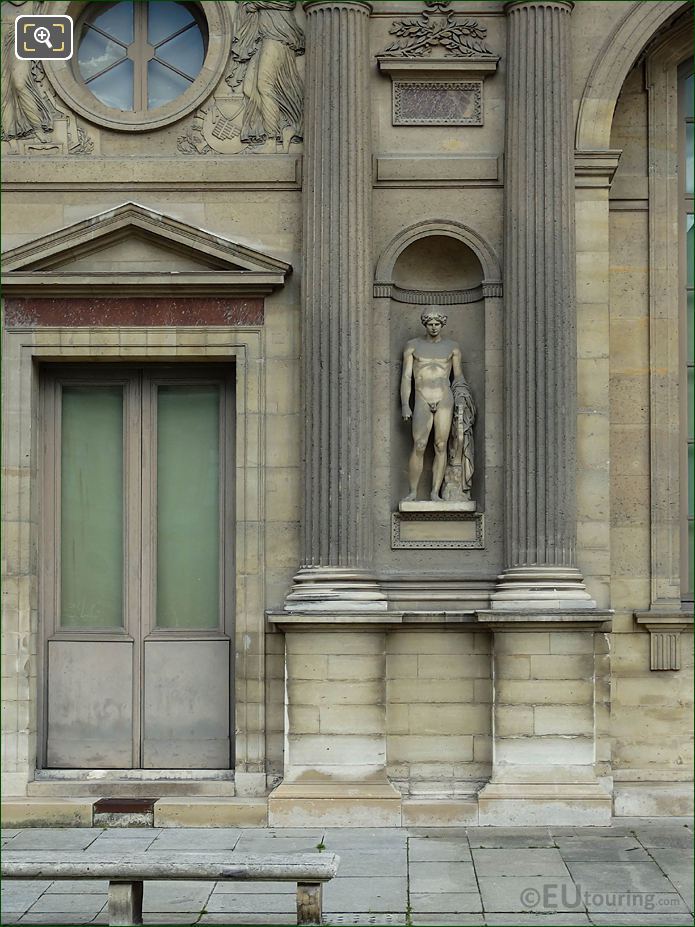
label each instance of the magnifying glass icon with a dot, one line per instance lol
(43, 35)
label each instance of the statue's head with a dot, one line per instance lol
(433, 320)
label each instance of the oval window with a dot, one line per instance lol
(136, 57)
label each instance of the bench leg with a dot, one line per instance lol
(308, 903)
(125, 904)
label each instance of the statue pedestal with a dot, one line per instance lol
(438, 506)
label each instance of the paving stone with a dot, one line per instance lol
(374, 894)
(635, 903)
(518, 862)
(49, 918)
(508, 894)
(190, 839)
(248, 919)
(55, 838)
(179, 917)
(20, 896)
(509, 838)
(616, 849)
(442, 877)
(677, 865)
(7, 833)
(664, 836)
(164, 896)
(337, 920)
(444, 920)
(433, 849)
(614, 878)
(80, 886)
(125, 845)
(68, 904)
(445, 902)
(355, 862)
(642, 920)
(550, 920)
(443, 833)
(233, 903)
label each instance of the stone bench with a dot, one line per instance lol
(126, 874)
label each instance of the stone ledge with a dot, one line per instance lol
(652, 799)
(211, 812)
(56, 812)
(334, 804)
(443, 812)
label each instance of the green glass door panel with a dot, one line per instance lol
(91, 507)
(188, 507)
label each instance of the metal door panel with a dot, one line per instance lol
(90, 704)
(186, 704)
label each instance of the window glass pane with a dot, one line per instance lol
(164, 19)
(96, 53)
(163, 85)
(188, 507)
(688, 98)
(186, 52)
(91, 508)
(117, 20)
(690, 246)
(115, 88)
(689, 166)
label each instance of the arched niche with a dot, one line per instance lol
(448, 265)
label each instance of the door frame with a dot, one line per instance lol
(140, 383)
(25, 350)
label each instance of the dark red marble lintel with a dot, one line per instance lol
(208, 310)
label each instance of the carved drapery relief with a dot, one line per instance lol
(32, 123)
(258, 107)
(443, 408)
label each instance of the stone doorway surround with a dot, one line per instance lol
(229, 282)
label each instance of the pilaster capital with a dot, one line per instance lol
(360, 6)
(562, 6)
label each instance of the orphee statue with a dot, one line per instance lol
(441, 405)
(266, 44)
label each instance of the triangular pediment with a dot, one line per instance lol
(131, 247)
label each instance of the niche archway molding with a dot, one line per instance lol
(385, 288)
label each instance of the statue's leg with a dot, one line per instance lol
(442, 428)
(422, 425)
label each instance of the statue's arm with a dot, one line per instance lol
(456, 364)
(406, 381)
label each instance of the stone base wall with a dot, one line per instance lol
(438, 711)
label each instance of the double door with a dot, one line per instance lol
(136, 594)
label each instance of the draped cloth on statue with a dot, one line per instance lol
(24, 111)
(268, 41)
(460, 464)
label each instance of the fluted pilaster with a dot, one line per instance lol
(336, 530)
(540, 323)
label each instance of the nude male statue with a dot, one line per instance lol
(430, 362)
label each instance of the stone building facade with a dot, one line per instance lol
(274, 552)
